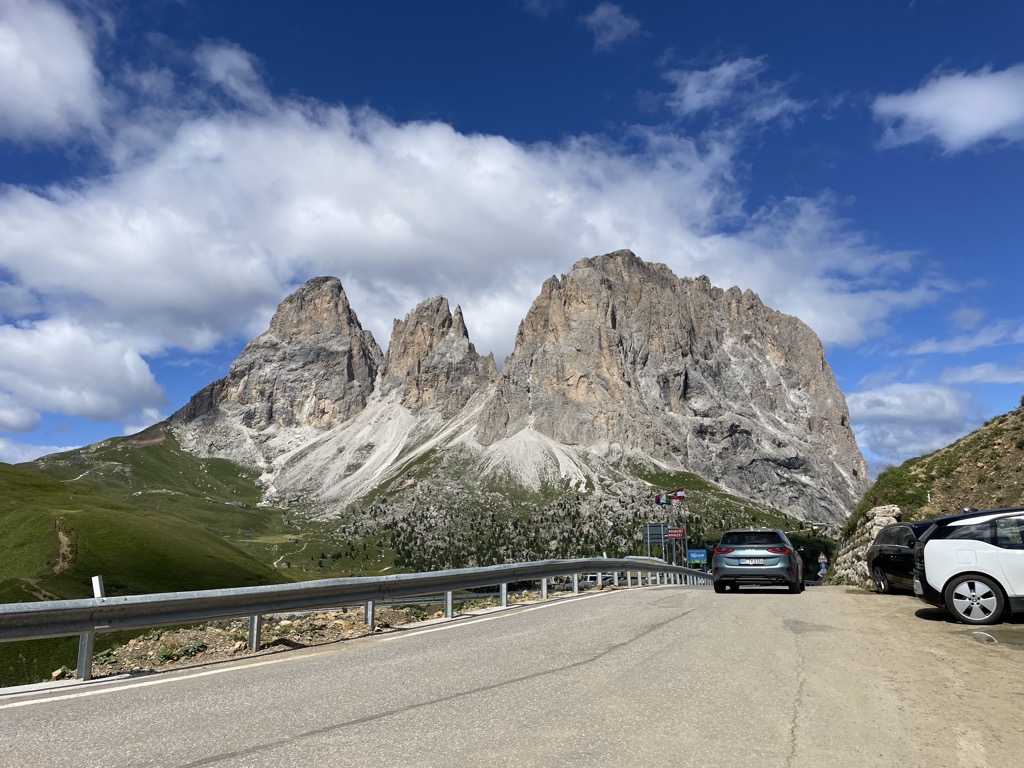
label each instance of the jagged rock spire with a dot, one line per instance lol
(431, 359)
(314, 365)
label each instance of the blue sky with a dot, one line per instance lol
(169, 171)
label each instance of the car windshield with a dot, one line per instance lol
(750, 539)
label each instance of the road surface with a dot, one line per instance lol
(664, 676)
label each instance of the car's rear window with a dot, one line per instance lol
(750, 539)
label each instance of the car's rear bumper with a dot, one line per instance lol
(926, 591)
(775, 575)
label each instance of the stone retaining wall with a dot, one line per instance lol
(850, 567)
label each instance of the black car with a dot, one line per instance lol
(890, 558)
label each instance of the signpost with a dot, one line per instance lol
(674, 532)
(654, 533)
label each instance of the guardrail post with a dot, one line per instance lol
(629, 579)
(449, 610)
(575, 583)
(615, 578)
(368, 618)
(255, 627)
(544, 589)
(504, 595)
(87, 640)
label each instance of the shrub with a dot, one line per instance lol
(174, 650)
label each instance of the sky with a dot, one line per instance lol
(170, 170)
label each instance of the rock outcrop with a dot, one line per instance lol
(622, 351)
(432, 361)
(618, 359)
(314, 367)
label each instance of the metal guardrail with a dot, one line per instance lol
(86, 617)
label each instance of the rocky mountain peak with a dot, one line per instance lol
(431, 359)
(620, 351)
(617, 359)
(314, 365)
(318, 308)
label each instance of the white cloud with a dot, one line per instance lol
(800, 258)
(49, 86)
(898, 421)
(610, 26)
(958, 110)
(147, 417)
(236, 71)
(734, 86)
(209, 217)
(15, 417)
(983, 373)
(988, 336)
(697, 90)
(14, 452)
(60, 366)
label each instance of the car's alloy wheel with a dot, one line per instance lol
(882, 586)
(975, 599)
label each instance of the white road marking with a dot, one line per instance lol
(245, 665)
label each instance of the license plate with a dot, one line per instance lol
(751, 561)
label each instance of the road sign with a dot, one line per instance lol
(697, 556)
(654, 533)
(676, 533)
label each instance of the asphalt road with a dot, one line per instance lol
(665, 676)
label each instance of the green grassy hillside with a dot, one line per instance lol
(983, 470)
(54, 536)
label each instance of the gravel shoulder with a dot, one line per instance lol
(934, 692)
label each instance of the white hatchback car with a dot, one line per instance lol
(972, 564)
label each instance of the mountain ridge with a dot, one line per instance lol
(616, 361)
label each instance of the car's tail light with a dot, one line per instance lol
(723, 550)
(779, 550)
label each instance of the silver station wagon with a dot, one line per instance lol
(756, 556)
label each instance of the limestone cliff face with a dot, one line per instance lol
(620, 351)
(618, 358)
(314, 366)
(431, 360)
